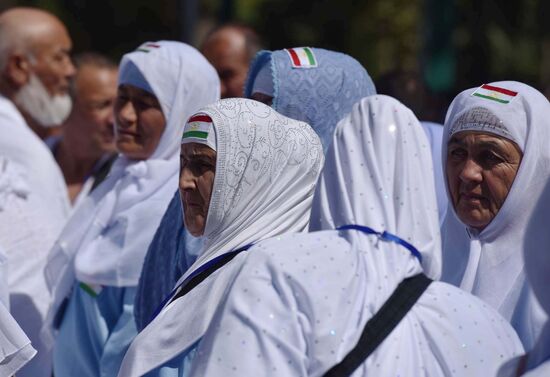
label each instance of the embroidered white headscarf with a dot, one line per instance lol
(300, 302)
(489, 263)
(106, 239)
(266, 169)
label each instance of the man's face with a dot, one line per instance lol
(480, 171)
(197, 172)
(51, 61)
(227, 53)
(140, 122)
(95, 92)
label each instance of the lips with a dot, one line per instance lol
(472, 197)
(191, 202)
(122, 132)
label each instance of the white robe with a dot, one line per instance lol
(34, 206)
(15, 348)
(537, 266)
(299, 302)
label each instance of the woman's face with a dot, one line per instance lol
(139, 122)
(197, 172)
(480, 171)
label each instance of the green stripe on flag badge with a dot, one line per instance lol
(147, 47)
(197, 127)
(302, 57)
(92, 290)
(495, 93)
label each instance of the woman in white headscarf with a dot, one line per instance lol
(497, 161)
(248, 173)
(104, 243)
(299, 303)
(536, 363)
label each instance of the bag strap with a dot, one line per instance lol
(382, 324)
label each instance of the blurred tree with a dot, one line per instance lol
(455, 43)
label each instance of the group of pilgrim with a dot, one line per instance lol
(299, 232)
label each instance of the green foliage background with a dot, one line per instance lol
(454, 43)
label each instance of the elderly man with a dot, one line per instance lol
(230, 48)
(86, 149)
(34, 78)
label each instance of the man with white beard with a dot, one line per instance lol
(35, 69)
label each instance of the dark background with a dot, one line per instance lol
(452, 44)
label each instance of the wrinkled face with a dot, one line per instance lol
(51, 61)
(480, 171)
(139, 122)
(229, 57)
(95, 91)
(197, 171)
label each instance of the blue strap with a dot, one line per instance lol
(210, 264)
(384, 236)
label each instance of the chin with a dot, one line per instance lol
(474, 221)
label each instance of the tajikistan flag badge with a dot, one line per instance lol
(148, 47)
(302, 57)
(494, 93)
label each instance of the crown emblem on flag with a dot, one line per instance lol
(494, 93)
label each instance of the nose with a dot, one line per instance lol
(471, 172)
(69, 69)
(126, 115)
(186, 181)
(110, 117)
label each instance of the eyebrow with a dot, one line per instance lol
(485, 143)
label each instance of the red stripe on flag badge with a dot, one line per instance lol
(500, 90)
(153, 45)
(294, 57)
(200, 118)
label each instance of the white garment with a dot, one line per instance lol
(300, 302)
(266, 169)
(106, 239)
(434, 132)
(489, 264)
(34, 206)
(15, 347)
(537, 266)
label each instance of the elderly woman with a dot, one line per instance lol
(497, 161)
(247, 173)
(319, 94)
(104, 243)
(319, 304)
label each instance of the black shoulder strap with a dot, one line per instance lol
(382, 324)
(197, 279)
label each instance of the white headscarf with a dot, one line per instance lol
(300, 302)
(489, 263)
(418, 222)
(107, 237)
(266, 169)
(537, 266)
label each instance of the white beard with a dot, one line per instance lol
(45, 109)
